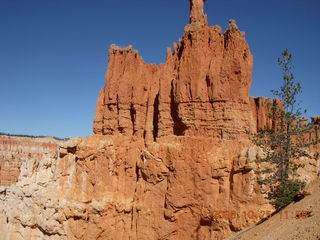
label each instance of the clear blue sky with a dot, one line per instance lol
(53, 53)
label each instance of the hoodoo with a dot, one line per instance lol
(201, 90)
(196, 12)
(170, 158)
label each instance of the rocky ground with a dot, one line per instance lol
(300, 220)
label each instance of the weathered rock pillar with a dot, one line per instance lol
(196, 12)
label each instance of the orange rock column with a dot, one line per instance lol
(196, 12)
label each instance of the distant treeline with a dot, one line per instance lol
(32, 136)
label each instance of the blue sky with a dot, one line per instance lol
(53, 53)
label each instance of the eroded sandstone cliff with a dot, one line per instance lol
(111, 187)
(201, 90)
(171, 151)
(16, 151)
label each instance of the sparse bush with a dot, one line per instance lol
(285, 193)
(284, 142)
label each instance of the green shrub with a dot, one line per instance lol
(285, 193)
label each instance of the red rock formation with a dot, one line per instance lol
(201, 90)
(261, 110)
(196, 12)
(193, 112)
(15, 150)
(170, 158)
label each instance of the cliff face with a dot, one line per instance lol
(112, 187)
(108, 187)
(15, 151)
(201, 90)
(170, 158)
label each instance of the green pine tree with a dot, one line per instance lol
(285, 141)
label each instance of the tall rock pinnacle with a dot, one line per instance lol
(196, 12)
(201, 90)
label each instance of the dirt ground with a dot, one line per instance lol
(299, 220)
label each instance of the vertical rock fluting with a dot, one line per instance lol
(16, 151)
(201, 90)
(170, 158)
(193, 113)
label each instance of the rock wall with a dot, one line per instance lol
(15, 151)
(187, 120)
(114, 187)
(171, 158)
(261, 111)
(201, 90)
(106, 187)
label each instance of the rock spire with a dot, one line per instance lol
(201, 90)
(196, 12)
